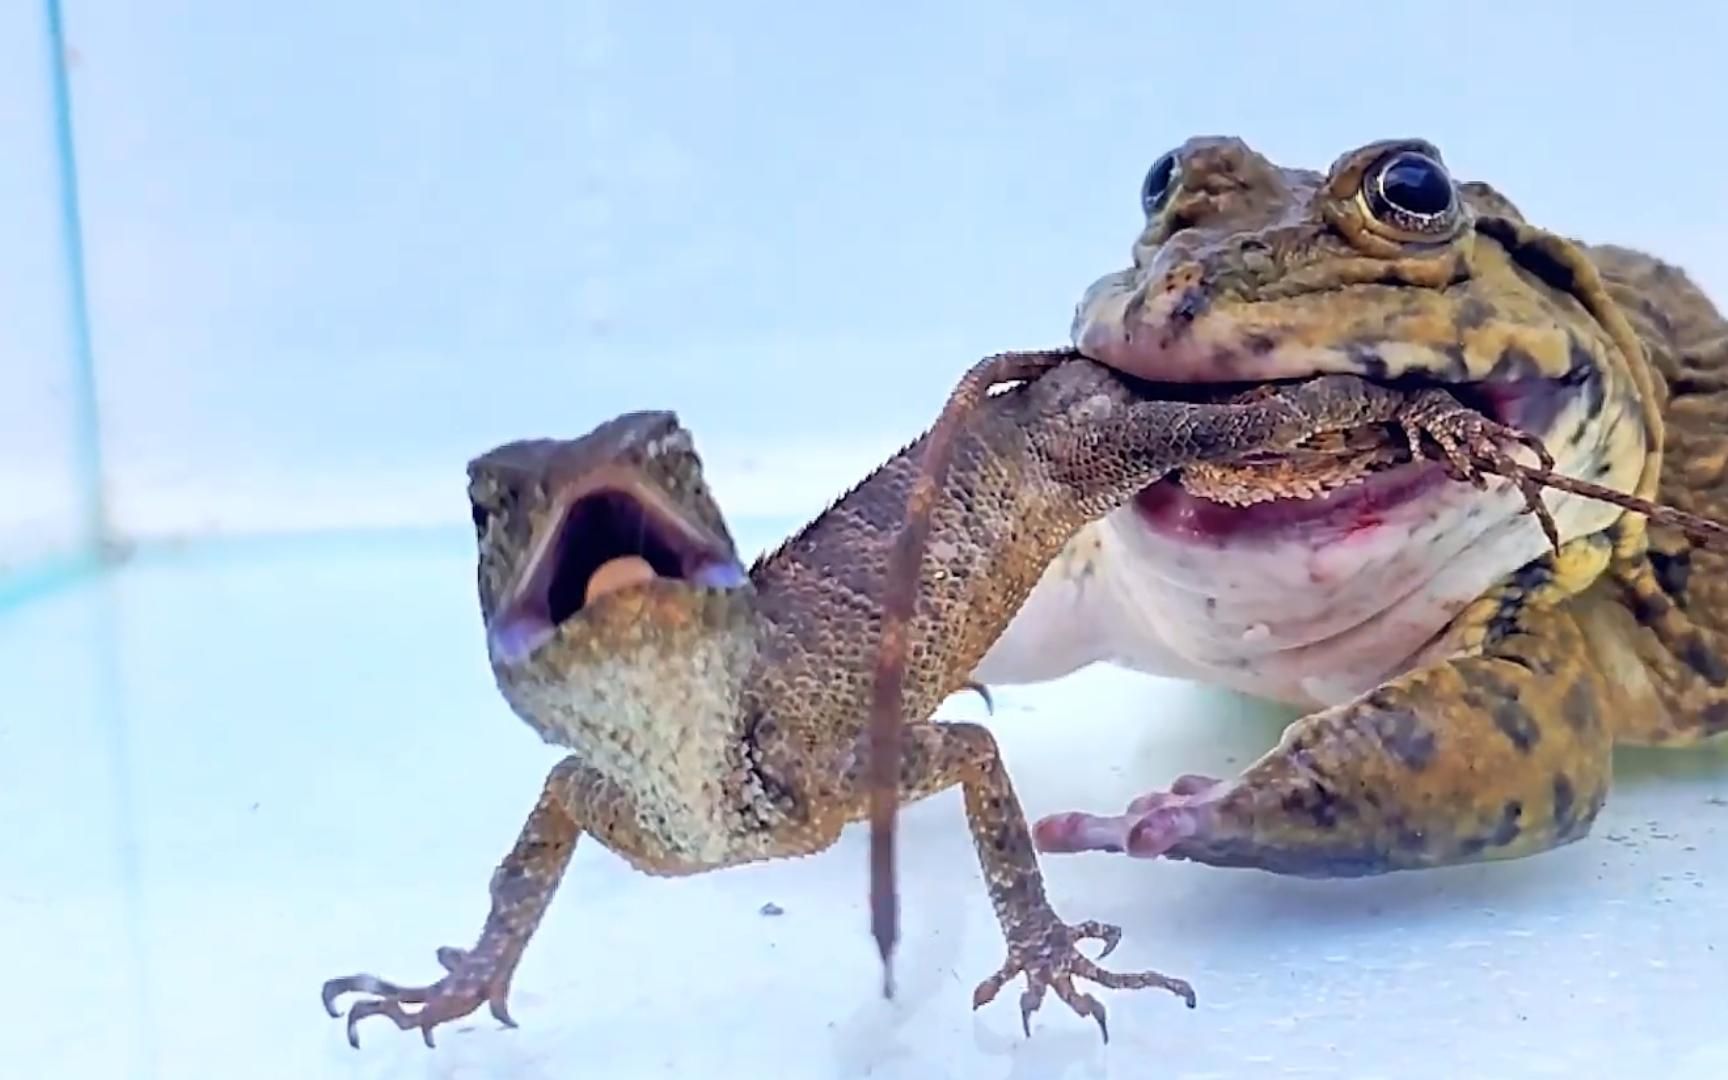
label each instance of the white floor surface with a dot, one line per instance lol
(229, 775)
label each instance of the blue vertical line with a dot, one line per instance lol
(86, 406)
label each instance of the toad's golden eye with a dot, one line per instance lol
(1159, 183)
(1412, 193)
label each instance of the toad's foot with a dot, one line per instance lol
(471, 980)
(1499, 752)
(1151, 826)
(1042, 948)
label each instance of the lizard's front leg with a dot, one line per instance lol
(574, 798)
(1493, 755)
(1040, 945)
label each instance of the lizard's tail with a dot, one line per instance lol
(900, 597)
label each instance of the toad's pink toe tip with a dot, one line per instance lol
(1071, 832)
(1160, 830)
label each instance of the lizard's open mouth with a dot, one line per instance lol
(615, 537)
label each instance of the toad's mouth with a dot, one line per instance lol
(617, 536)
(1178, 506)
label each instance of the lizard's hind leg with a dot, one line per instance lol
(1040, 945)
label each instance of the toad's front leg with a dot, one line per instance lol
(1496, 755)
(1040, 945)
(574, 799)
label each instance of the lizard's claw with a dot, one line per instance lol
(1472, 445)
(470, 981)
(1043, 949)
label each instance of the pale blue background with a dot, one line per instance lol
(332, 249)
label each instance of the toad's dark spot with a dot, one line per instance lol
(1319, 804)
(1688, 385)
(1706, 661)
(1258, 344)
(1715, 717)
(1537, 665)
(1595, 391)
(1580, 361)
(1488, 686)
(1292, 861)
(1578, 708)
(1367, 361)
(1188, 308)
(1533, 576)
(1472, 313)
(1457, 367)
(1649, 608)
(1402, 733)
(1509, 827)
(1515, 362)
(1516, 723)
(1673, 571)
(1538, 256)
(1565, 800)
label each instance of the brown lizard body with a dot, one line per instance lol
(716, 718)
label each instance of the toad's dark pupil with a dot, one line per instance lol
(1416, 185)
(1156, 186)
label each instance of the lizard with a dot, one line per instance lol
(715, 716)
(1463, 683)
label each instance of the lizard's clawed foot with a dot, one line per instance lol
(1472, 446)
(470, 981)
(1152, 825)
(1042, 947)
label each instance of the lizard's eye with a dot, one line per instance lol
(1411, 193)
(1159, 183)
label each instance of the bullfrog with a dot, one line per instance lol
(1462, 681)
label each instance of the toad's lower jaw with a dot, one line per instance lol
(1166, 508)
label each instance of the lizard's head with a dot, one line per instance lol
(1385, 267)
(584, 539)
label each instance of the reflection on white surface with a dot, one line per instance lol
(232, 776)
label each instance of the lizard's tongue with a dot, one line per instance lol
(614, 574)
